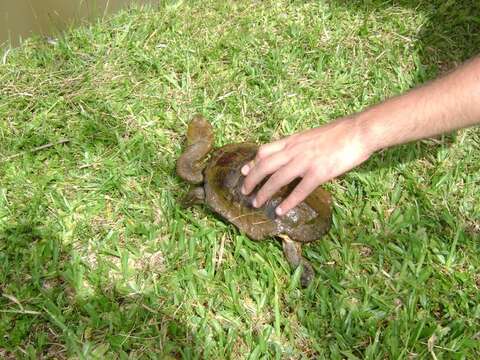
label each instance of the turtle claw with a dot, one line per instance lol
(307, 273)
(194, 196)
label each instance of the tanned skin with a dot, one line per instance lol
(321, 154)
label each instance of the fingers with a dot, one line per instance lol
(263, 152)
(301, 191)
(264, 167)
(281, 178)
(246, 168)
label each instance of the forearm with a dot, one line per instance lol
(446, 104)
(320, 154)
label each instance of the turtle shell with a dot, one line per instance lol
(223, 179)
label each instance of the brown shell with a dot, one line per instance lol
(309, 221)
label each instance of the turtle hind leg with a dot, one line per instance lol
(194, 196)
(293, 253)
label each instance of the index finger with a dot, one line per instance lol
(263, 152)
(265, 167)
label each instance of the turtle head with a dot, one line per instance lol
(191, 163)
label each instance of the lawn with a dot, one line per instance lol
(97, 258)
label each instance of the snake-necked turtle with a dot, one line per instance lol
(219, 180)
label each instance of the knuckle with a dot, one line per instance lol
(276, 180)
(262, 195)
(262, 151)
(263, 167)
(298, 193)
(260, 163)
(295, 199)
(268, 188)
(291, 148)
(248, 183)
(264, 192)
(316, 172)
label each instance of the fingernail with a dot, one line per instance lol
(254, 203)
(243, 190)
(245, 170)
(279, 211)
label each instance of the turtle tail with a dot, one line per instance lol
(199, 143)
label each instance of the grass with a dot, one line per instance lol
(97, 259)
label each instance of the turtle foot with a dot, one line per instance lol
(293, 253)
(194, 196)
(307, 273)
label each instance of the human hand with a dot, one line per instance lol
(316, 156)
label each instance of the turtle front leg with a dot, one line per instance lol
(190, 164)
(293, 253)
(194, 196)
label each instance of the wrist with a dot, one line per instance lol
(369, 138)
(384, 125)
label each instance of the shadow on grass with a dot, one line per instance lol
(43, 316)
(450, 37)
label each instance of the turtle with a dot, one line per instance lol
(216, 178)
